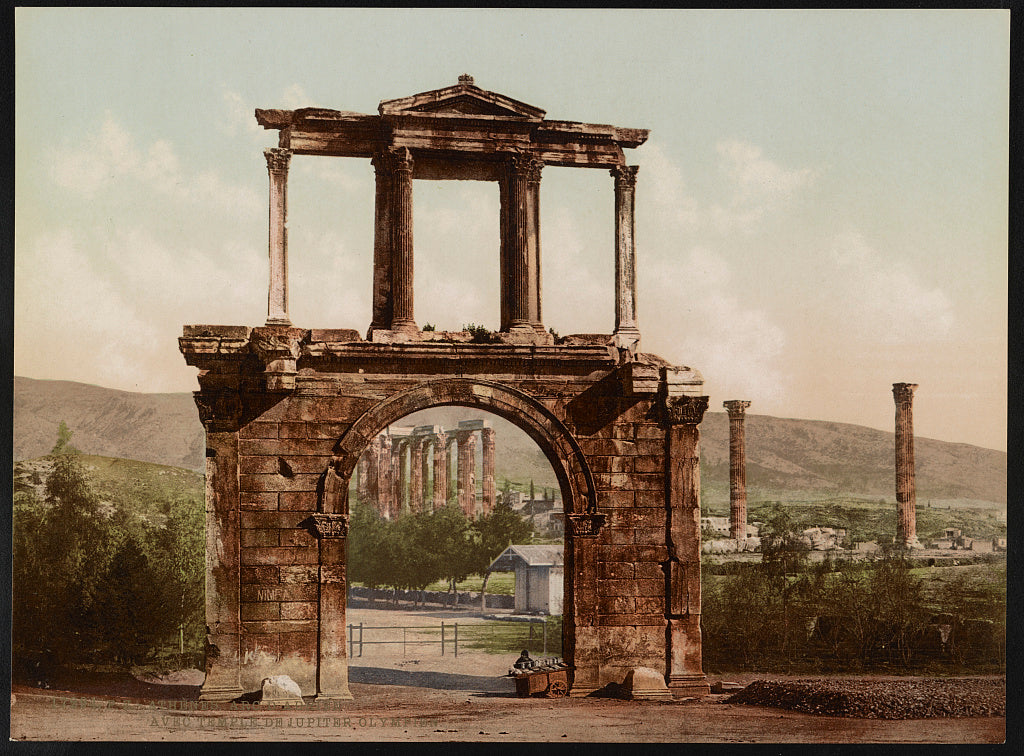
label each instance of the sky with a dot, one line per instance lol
(821, 206)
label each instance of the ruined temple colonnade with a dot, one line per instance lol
(409, 469)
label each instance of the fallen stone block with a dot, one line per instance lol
(281, 690)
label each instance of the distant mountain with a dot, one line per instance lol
(160, 428)
(786, 459)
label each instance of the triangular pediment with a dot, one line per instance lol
(463, 99)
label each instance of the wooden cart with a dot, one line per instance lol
(552, 683)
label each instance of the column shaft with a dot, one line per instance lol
(416, 474)
(520, 259)
(489, 491)
(533, 225)
(440, 470)
(277, 295)
(385, 477)
(383, 303)
(467, 472)
(737, 469)
(625, 249)
(401, 242)
(906, 493)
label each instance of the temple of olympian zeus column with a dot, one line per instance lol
(906, 490)
(289, 410)
(425, 451)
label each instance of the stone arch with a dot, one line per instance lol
(556, 442)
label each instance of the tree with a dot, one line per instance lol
(496, 532)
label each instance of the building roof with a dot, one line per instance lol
(531, 556)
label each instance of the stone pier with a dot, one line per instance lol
(906, 493)
(737, 469)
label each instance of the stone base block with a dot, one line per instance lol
(685, 686)
(220, 692)
(645, 684)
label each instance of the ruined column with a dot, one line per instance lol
(737, 469)
(440, 470)
(277, 296)
(685, 669)
(385, 477)
(625, 252)
(401, 241)
(426, 500)
(906, 494)
(415, 473)
(383, 304)
(362, 475)
(453, 475)
(467, 471)
(398, 454)
(516, 246)
(372, 455)
(489, 491)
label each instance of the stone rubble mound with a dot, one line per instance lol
(881, 699)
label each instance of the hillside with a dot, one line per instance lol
(160, 428)
(128, 485)
(786, 459)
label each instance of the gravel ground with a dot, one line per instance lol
(881, 699)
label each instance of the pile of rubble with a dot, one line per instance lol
(881, 699)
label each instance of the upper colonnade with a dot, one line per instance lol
(458, 132)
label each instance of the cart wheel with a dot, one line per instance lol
(557, 689)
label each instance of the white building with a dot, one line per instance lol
(539, 577)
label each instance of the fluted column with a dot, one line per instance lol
(737, 469)
(906, 493)
(399, 452)
(489, 491)
(453, 488)
(416, 473)
(362, 476)
(277, 296)
(401, 241)
(625, 250)
(385, 477)
(533, 227)
(467, 471)
(517, 250)
(372, 455)
(440, 470)
(383, 303)
(685, 669)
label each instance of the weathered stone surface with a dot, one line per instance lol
(289, 413)
(281, 690)
(645, 684)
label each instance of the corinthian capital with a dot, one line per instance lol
(685, 410)
(625, 175)
(903, 393)
(277, 159)
(525, 165)
(736, 407)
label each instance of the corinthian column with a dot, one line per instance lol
(533, 229)
(625, 251)
(489, 492)
(517, 250)
(277, 296)
(467, 471)
(385, 477)
(906, 494)
(416, 473)
(737, 469)
(440, 470)
(383, 303)
(401, 242)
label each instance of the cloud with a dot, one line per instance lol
(882, 299)
(758, 186)
(110, 161)
(662, 181)
(687, 314)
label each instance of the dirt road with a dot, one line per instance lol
(414, 713)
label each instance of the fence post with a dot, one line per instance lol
(360, 639)
(442, 637)
(403, 641)
(456, 640)
(349, 640)
(545, 637)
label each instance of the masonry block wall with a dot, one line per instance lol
(284, 435)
